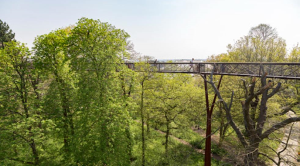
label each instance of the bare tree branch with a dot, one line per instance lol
(285, 110)
(200, 142)
(245, 88)
(231, 99)
(270, 158)
(287, 141)
(274, 90)
(279, 125)
(228, 114)
(279, 153)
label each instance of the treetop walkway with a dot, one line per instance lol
(270, 70)
(273, 70)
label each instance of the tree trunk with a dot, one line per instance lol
(167, 144)
(148, 125)
(223, 130)
(24, 98)
(251, 157)
(129, 145)
(34, 152)
(143, 127)
(223, 126)
(208, 140)
(67, 119)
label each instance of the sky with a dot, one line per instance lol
(164, 29)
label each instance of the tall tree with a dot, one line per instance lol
(254, 125)
(263, 32)
(96, 51)
(51, 58)
(86, 95)
(20, 118)
(173, 99)
(261, 45)
(6, 34)
(145, 86)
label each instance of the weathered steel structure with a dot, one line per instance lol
(273, 70)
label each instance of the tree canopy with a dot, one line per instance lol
(262, 44)
(73, 101)
(6, 34)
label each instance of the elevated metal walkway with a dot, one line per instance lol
(274, 70)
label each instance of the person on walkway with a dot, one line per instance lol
(192, 65)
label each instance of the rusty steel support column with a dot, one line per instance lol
(207, 160)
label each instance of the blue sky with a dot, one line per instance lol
(164, 29)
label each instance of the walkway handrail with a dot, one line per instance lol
(289, 70)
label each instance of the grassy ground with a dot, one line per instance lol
(196, 140)
(179, 154)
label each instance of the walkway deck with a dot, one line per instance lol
(274, 70)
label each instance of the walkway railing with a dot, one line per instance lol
(273, 70)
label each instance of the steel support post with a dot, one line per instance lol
(207, 159)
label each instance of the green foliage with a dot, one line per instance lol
(262, 44)
(73, 101)
(294, 55)
(21, 120)
(6, 33)
(179, 154)
(65, 105)
(101, 111)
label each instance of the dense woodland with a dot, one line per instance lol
(72, 101)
